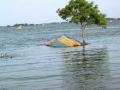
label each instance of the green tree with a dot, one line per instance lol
(84, 13)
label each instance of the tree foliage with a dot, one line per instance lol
(83, 12)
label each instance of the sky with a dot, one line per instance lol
(44, 11)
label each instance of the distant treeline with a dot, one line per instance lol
(16, 25)
(26, 24)
(113, 18)
(22, 24)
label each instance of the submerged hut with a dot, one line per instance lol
(20, 27)
(63, 41)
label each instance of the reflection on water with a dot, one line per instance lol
(86, 71)
(26, 64)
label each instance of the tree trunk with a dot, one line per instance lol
(83, 34)
(83, 37)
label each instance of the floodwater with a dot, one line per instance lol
(27, 64)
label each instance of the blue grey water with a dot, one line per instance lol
(27, 64)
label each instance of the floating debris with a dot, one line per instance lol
(5, 55)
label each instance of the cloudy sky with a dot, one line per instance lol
(44, 11)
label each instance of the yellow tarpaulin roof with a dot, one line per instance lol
(66, 41)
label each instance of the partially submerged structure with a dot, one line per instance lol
(63, 41)
(20, 27)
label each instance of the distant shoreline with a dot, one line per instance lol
(26, 24)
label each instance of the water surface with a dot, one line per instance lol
(30, 65)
